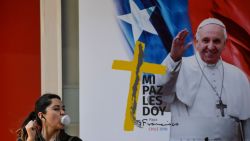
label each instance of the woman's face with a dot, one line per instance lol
(53, 115)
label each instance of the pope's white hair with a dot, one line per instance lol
(210, 21)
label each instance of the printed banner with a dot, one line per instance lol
(122, 44)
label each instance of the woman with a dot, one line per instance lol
(44, 124)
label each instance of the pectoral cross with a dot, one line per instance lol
(221, 106)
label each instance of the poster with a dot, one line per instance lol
(110, 33)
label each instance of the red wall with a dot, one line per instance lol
(20, 81)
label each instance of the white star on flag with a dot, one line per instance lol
(139, 20)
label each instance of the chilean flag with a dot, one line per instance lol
(156, 22)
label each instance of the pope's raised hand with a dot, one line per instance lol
(178, 45)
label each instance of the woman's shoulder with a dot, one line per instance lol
(75, 138)
(67, 137)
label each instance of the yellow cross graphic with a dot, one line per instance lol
(137, 67)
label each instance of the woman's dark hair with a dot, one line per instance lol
(40, 106)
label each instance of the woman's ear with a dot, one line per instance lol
(40, 115)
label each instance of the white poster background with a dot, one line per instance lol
(104, 91)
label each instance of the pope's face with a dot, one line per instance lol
(211, 43)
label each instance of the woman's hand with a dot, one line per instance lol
(31, 130)
(178, 47)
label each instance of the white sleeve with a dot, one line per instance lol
(168, 81)
(172, 70)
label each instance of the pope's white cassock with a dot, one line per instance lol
(191, 90)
